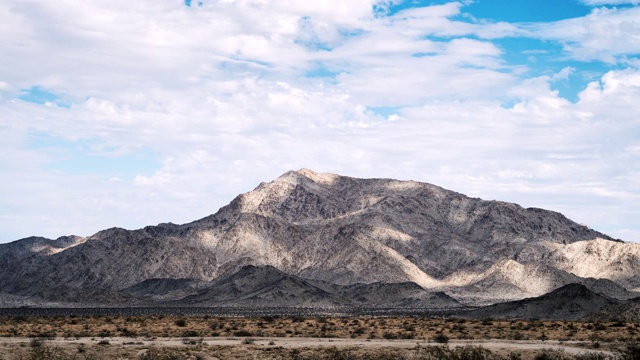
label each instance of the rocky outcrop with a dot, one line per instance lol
(335, 230)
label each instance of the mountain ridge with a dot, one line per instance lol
(339, 230)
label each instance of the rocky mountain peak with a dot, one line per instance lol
(338, 230)
(302, 175)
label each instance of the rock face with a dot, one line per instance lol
(331, 229)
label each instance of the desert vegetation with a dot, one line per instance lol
(206, 337)
(418, 328)
(251, 350)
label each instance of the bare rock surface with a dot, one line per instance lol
(330, 229)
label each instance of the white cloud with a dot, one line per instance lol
(610, 2)
(218, 94)
(609, 35)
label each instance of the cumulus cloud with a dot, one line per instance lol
(195, 104)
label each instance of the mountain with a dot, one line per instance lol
(625, 312)
(265, 286)
(570, 302)
(329, 229)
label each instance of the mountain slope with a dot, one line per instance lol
(266, 286)
(338, 230)
(570, 302)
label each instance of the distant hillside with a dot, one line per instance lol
(265, 286)
(324, 234)
(570, 302)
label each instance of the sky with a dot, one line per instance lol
(133, 113)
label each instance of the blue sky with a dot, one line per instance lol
(126, 115)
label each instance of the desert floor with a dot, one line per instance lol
(203, 337)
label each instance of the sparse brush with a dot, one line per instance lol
(593, 356)
(340, 354)
(162, 354)
(551, 354)
(442, 352)
(47, 353)
(441, 338)
(190, 333)
(36, 342)
(242, 333)
(630, 352)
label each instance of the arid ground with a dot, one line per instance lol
(204, 337)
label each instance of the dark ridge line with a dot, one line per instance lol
(226, 312)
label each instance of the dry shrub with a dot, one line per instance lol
(162, 354)
(44, 352)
